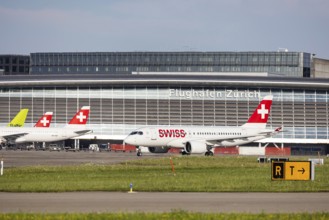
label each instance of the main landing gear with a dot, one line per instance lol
(209, 153)
(184, 153)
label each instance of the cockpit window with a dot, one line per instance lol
(136, 132)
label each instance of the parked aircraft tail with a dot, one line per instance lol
(260, 116)
(44, 121)
(81, 117)
(19, 119)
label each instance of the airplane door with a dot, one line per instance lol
(153, 134)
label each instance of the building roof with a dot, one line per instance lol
(161, 80)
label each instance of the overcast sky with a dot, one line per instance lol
(164, 25)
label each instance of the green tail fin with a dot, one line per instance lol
(19, 119)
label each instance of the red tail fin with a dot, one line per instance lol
(81, 117)
(261, 113)
(44, 121)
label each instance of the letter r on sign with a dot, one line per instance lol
(277, 170)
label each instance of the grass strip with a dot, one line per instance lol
(177, 215)
(192, 174)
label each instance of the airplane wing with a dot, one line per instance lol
(82, 132)
(180, 143)
(12, 137)
(218, 141)
(232, 139)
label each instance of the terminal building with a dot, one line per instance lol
(282, 64)
(14, 65)
(131, 90)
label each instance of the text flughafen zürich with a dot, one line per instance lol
(228, 93)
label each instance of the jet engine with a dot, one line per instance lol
(195, 147)
(157, 150)
(2, 140)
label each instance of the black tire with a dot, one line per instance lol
(209, 154)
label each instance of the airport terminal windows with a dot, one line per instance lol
(291, 64)
(117, 110)
(15, 64)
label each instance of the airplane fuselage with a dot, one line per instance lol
(39, 134)
(178, 136)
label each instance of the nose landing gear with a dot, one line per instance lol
(139, 151)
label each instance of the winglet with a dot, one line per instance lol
(19, 119)
(81, 117)
(44, 121)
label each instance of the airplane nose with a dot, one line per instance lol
(128, 140)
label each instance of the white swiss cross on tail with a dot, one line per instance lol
(262, 111)
(81, 117)
(259, 117)
(44, 121)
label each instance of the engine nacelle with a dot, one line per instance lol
(158, 150)
(2, 140)
(195, 147)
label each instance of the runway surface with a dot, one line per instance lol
(86, 202)
(33, 158)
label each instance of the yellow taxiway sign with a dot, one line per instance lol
(292, 170)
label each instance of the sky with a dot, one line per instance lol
(171, 25)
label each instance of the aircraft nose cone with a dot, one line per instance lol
(128, 140)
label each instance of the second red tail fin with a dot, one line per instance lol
(44, 121)
(81, 117)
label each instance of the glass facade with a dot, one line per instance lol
(15, 64)
(117, 110)
(290, 64)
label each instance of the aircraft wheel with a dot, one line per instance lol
(184, 153)
(139, 154)
(209, 153)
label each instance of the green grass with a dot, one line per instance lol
(193, 174)
(177, 215)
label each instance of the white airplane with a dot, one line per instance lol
(44, 121)
(75, 128)
(18, 121)
(201, 139)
